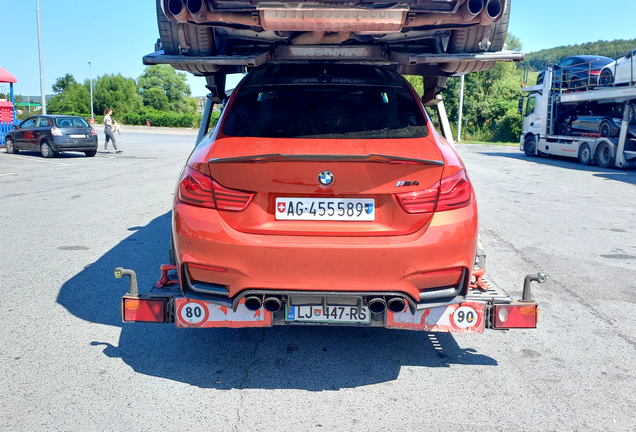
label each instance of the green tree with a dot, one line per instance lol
(118, 93)
(71, 97)
(171, 83)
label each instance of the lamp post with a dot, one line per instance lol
(90, 79)
(37, 7)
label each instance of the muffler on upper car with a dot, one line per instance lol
(491, 11)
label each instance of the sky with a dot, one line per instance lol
(114, 35)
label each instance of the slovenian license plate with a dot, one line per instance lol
(328, 314)
(339, 209)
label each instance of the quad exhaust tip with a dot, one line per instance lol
(271, 304)
(377, 305)
(253, 303)
(396, 304)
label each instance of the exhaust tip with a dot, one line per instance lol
(494, 8)
(396, 304)
(377, 305)
(272, 304)
(474, 7)
(175, 7)
(253, 303)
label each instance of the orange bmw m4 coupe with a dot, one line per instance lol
(325, 195)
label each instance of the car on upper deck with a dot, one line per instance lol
(619, 72)
(203, 37)
(325, 184)
(53, 134)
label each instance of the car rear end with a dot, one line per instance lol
(72, 133)
(325, 196)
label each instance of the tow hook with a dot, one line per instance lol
(527, 289)
(120, 272)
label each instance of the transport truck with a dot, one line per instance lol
(303, 218)
(549, 112)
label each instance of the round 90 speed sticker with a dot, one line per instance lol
(465, 317)
(193, 313)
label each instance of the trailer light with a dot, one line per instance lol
(143, 310)
(516, 315)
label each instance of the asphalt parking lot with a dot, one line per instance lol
(68, 363)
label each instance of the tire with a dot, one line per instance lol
(530, 146)
(467, 40)
(90, 153)
(604, 157)
(585, 155)
(9, 147)
(563, 129)
(605, 129)
(606, 79)
(46, 151)
(200, 40)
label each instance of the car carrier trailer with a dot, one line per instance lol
(543, 107)
(461, 36)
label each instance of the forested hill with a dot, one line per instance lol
(539, 59)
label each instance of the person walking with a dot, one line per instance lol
(108, 130)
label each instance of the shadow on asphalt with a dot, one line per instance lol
(627, 175)
(310, 358)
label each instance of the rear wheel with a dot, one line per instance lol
(605, 129)
(91, 153)
(585, 155)
(604, 156)
(468, 40)
(530, 146)
(606, 78)
(563, 129)
(9, 147)
(46, 150)
(198, 40)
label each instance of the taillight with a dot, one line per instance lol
(450, 193)
(419, 202)
(93, 133)
(55, 131)
(454, 192)
(199, 190)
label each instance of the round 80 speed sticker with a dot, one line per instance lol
(193, 313)
(465, 317)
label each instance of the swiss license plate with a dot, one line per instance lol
(328, 314)
(339, 209)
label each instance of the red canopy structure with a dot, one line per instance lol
(6, 77)
(7, 109)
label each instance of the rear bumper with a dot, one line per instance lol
(61, 144)
(346, 264)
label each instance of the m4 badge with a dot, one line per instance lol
(407, 183)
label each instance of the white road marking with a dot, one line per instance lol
(35, 159)
(7, 174)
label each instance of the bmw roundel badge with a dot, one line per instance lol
(325, 178)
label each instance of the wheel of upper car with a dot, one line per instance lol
(468, 39)
(90, 153)
(605, 129)
(200, 39)
(604, 156)
(46, 150)
(563, 129)
(530, 145)
(585, 154)
(9, 147)
(606, 78)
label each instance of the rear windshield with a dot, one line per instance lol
(70, 122)
(325, 111)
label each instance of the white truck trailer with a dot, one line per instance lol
(545, 104)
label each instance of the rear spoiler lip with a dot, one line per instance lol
(277, 157)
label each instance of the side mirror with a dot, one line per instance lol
(520, 109)
(629, 54)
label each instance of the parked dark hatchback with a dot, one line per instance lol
(53, 134)
(578, 72)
